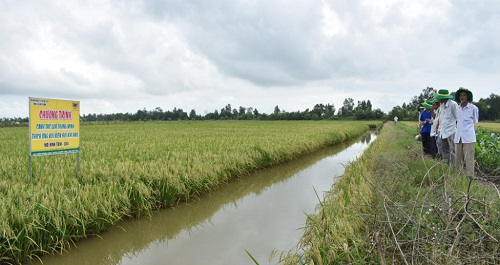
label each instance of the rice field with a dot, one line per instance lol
(492, 126)
(129, 169)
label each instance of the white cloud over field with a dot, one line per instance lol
(125, 55)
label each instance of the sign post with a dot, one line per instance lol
(54, 128)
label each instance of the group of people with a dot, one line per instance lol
(446, 127)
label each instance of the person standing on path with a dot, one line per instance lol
(433, 134)
(448, 115)
(425, 127)
(437, 131)
(420, 110)
(465, 136)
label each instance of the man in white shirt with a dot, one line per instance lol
(438, 131)
(465, 136)
(448, 114)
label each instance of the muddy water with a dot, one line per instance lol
(259, 212)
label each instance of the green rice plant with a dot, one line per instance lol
(130, 169)
(253, 259)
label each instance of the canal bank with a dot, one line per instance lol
(131, 169)
(395, 205)
(259, 212)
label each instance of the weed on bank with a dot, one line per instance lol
(129, 169)
(394, 206)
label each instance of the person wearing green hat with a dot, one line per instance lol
(448, 114)
(425, 127)
(465, 136)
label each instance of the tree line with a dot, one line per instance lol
(320, 111)
(489, 109)
(349, 110)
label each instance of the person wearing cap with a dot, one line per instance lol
(448, 114)
(465, 136)
(425, 127)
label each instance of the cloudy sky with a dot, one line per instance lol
(125, 55)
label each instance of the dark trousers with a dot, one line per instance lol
(426, 142)
(434, 150)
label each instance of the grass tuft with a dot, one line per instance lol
(394, 204)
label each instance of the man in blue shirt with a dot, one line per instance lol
(425, 128)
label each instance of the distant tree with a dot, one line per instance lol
(175, 114)
(361, 105)
(212, 116)
(256, 112)
(276, 110)
(141, 115)
(192, 114)
(410, 111)
(397, 111)
(318, 111)
(493, 104)
(241, 110)
(225, 112)
(426, 93)
(347, 108)
(483, 110)
(378, 114)
(368, 105)
(360, 114)
(157, 114)
(329, 111)
(250, 110)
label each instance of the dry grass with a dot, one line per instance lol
(395, 206)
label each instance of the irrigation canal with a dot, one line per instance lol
(260, 213)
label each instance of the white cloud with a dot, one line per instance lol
(332, 25)
(120, 56)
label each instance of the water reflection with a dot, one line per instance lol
(366, 139)
(258, 212)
